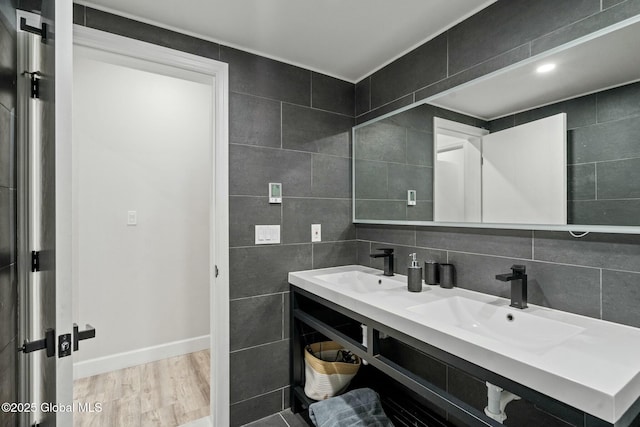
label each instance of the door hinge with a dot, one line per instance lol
(34, 83)
(48, 343)
(217, 272)
(42, 31)
(35, 86)
(35, 261)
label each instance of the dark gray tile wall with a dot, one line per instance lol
(310, 154)
(395, 155)
(598, 275)
(506, 25)
(504, 33)
(603, 173)
(287, 125)
(8, 280)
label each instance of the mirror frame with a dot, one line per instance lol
(572, 228)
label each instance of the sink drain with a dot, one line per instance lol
(510, 317)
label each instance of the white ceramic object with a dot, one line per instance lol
(503, 324)
(590, 364)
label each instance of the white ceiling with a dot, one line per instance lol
(347, 39)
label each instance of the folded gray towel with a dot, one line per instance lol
(357, 408)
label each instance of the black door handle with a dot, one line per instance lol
(78, 335)
(48, 343)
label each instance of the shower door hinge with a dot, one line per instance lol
(35, 261)
(217, 272)
(34, 85)
(42, 31)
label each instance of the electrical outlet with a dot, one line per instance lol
(316, 232)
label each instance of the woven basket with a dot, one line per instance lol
(325, 378)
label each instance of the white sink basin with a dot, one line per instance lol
(587, 363)
(361, 282)
(510, 326)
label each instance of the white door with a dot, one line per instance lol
(457, 154)
(44, 134)
(524, 173)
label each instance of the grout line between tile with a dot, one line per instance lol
(258, 296)
(289, 149)
(448, 251)
(595, 180)
(259, 395)
(281, 126)
(296, 197)
(256, 346)
(601, 293)
(533, 248)
(285, 421)
(446, 60)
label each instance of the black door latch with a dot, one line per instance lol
(48, 343)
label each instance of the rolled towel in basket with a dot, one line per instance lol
(357, 408)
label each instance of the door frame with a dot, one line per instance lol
(58, 92)
(218, 199)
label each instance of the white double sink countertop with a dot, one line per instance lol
(590, 364)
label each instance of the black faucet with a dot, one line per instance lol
(518, 280)
(388, 260)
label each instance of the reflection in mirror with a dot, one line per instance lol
(457, 180)
(394, 155)
(524, 173)
(596, 83)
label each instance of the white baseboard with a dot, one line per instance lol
(100, 365)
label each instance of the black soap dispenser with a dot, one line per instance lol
(414, 275)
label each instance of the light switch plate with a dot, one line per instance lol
(132, 218)
(267, 234)
(316, 232)
(411, 197)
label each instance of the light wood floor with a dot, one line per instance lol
(166, 393)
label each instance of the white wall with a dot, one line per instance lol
(141, 142)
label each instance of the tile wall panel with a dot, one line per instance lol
(288, 125)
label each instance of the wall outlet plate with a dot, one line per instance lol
(275, 192)
(316, 232)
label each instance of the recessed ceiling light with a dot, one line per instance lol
(545, 68)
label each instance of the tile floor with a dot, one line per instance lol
(283, 419)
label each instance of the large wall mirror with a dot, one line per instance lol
(552, 142)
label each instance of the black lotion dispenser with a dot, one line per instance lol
(414, 275)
